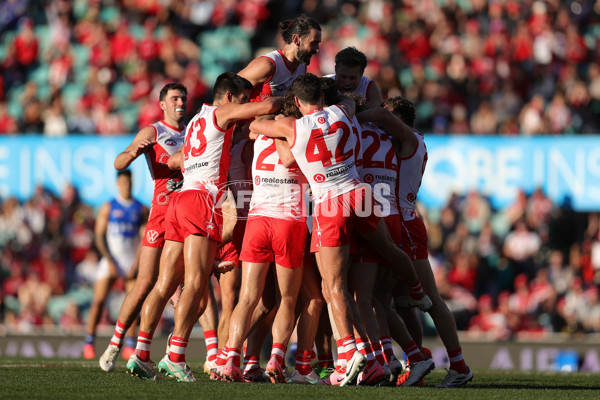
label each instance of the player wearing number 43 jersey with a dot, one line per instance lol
(194, 221)
(323, 145)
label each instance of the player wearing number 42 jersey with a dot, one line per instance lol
(323, 145)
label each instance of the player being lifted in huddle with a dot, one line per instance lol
(350, 66)
(273, 73)
(194, 221)
(323, 145)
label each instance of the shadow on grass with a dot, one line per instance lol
(531, 386)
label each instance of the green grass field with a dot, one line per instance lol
(70, 379)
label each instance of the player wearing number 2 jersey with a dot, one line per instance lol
(323, 147)
(276, 225)
(412, 161)
(157, 142)
(380, 167)
(193, 223)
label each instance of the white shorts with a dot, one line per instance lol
(104, 271)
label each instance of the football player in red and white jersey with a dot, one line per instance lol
(157, 142)
(323, 146)
(273, 73)
(411, 166)
(276, 225)
(380, 169)
(193, 223)
(350, 65)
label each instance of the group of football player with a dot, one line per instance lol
(329, 244)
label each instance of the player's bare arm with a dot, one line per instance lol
(281, 128)
(175, 160)
(374, 96)
(142, 142)
(285, 153)
(392, 125)
(100, 229)
(228, 113)
(348, 105)
(260, 70)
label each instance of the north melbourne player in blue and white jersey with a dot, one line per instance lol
(117, 236)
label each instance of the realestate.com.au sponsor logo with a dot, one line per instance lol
(289, 195)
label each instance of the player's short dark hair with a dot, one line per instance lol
(330, 91)
(124, 172)
(402, 107)
(232, 83)
(290, 109)
(171, 86)
(300, 26)
(307, 88)
(351, 57)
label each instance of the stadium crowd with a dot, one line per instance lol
(532, 268)
(471, 66)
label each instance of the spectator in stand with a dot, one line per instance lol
(8, 124)
(487, 321)
(520, 246)
(26, 46)
(54, 120)
(484, 120)
(439, 53)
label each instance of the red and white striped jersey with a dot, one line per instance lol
(380, 166)
(206, 153)
(410, 175)
(278, 191)
(324, 146)
(168, 141)
(281, 80)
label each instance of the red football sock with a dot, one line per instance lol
(177, 349)
(142, 349)
(413, 353)
(117, 337)
(457, 362)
